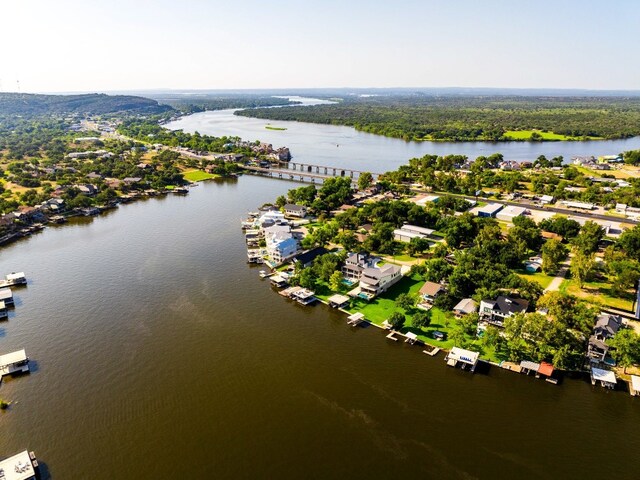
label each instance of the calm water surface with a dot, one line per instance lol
(158, 353)
(344, 146)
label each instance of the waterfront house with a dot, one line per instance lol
(22, 466)
(464, 307)
(407, 232)
(14, 362)
(376, 280)
(355, 264)
(431, 290)
(495, 311)
(87, 189)
(293, 210)
(306, 259)
(606, 327)
(280, 243)
(467, 358)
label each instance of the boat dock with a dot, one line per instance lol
(22, 466)
(13, 279)
(6, 296)
(355, 319)
(15, 362)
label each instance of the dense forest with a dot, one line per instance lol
(88, 104)
(469, 118)
(192, 103)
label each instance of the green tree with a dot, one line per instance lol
(307, 279)
(396, 320)
(421, 319)
(405, 301)
(625, 348)
(417, 246)
(335, 281)
(582, 265)
(364, 180)
(589, 237)
(553, 252)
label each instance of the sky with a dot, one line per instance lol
(98, 45)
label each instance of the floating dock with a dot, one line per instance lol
(22, 466)
(13, 279)
(15, 362)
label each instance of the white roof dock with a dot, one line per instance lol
(605, 377)
(461, 355)
(411, 337)
(19, 467)
(13, 357)
(338, 300)
(634, 386)
(6, 294)
(12, 277)
(355, 318)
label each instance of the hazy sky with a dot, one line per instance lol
(98, 45)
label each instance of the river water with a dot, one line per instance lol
(340, 146)
(158, 353)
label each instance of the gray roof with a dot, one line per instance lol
(508, 305)
(466, 305)
(294, 207)
(607, 325)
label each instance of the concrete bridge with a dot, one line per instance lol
(305, 173)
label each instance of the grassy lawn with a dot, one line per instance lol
(543, 279)
(597, 292)
(526, 134)
(197, 175)
(381, 308)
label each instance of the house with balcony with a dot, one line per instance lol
(355, 264)
(293, 210)
(280, 242)
(377, 280)
(606, 327)
(496, 311)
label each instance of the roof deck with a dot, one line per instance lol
(14, 362)
(465, 357)
(19, 467)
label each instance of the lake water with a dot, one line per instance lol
(334, 145)
(157, 352)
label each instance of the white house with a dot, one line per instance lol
(293, 210)
(376, 280)
(280, 242)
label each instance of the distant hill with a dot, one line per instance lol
(92, 104)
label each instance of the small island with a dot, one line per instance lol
(271, 127)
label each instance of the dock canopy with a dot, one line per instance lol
(16, 277)
(531, 366)
(603, 376)
(464, 356)
(338, 301)
(19, 467)
(356, 317)
(545, 369)
(13, 358)
(411, 337)
(635, 385)
(6, 294)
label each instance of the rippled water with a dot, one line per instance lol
(159, 353)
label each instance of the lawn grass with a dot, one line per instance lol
(526, 135)
(539, 277)
(598, 292)
(380, 309)
(197, 175)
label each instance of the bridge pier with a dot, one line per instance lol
(325, 170)
(334, 172)
(351, 174)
